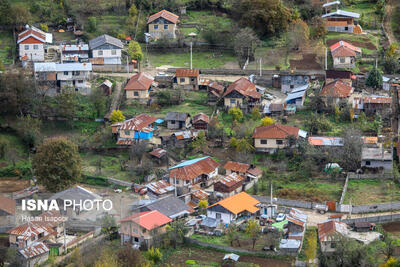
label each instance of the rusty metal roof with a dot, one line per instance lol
(160, 187)
(201, 117)
(237, 166)
(158, 152)
(140, 81)
(164, 14)
(200, 194)
(34, 250)
(191, 169)
(231, 180)
(328, 231)
(187, 73)
(140, 122)
(7, 205)
(185, 134)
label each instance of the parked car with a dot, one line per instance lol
(281, 217)
(269, 229)
(321, 208)
(117, 190)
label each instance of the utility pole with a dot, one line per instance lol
(260, 68)
(191, 54)
(127, 64)
(176, 194)
(326, 59)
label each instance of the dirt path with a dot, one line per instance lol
(387, 22)
(116, 98)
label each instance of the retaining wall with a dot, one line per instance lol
(374, 219)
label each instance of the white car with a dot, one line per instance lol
(281, 217)
(117, 190)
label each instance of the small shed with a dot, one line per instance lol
(200, 121)
(106, 86)
(363, 226)
(289, 245)
(158, 154)
(209, 224)
(231, 256)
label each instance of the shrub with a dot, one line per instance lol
(92, 24)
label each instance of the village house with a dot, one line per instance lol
(7, 213)
(343, 75)
(138, 87)
(200, 121)
(196, 171)
(342, 21)
(372, 105)
(187, 79)
(140, 127)
(242, 94)
(336, 92)
(162, 24)
(105, 50)
(215, 92)
(71, 53)
(296, 96)
(325, 141)
(76, 193)
(234, 208)
(170, 206)
(274, 109)
(296, 226)
(138, 228)
(344, 54)
(249, 172)
(289, 82)
(179, 139)
(160, 154)
(33, 44)
(272, 137)
(376, 158)
(54, 77)
(197, 195)
(229, 185)
(329, 233)
(178, 120)
(35, 255)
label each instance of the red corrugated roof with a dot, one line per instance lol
(345, 44)
(164, 14)
(148, 219)
(275, 131)
(201, 117)
(337, 89)
(140, 81)
(187, 73)
(31, 33)
(189, 172)
(244, 87)
(231, 180)
(140, 122)
(329, 229)
(343, 51)
(7, 205)
(158, 152)
(377, 100)
(237, 166)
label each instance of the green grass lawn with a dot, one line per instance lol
(363, 41)
(368, 191)
(14, 142)
(194, 103)
(199, 17)
(367, 8)
(206, 60)
(186, 31)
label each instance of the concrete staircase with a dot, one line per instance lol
(51, 56)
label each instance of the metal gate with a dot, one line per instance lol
(331, 205)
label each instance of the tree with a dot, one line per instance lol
(99, 101)
(374, 78)
(4, 144)
(67, 103)
(311, 250)
(137, 152)
(391, 262)
(319, 28)
(350, 154)
(116, 116)
(154, 255)
(92, 24)
(267, 17)
(44, 27)
(28, 129)
(57, 164)
(389, 246)
(391, 51)
(108, 225)
(253, 229)
(107, 259)
(176, 232)
(244, 145)
(232, 233)
(200, 142)
(317, 124)
(245, 45)
(130, 257)
(236, 113)
(5, 11)
(135, 51)
(391, 65)
(255, 114)
(298, 35)
(267, 121)
(203, 204)
(20, 15)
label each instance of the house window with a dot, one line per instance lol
(263, 141)
(76, 73)
(135, 93)
(333, 244)
(65, 72)
(76, 89)
(218, 216)
(136, 239)
(100, 52)
(127, 132)
(279, 142)
(342, 60)
(368, 163)
(192, 79)
(291, 86)
(346, 28)
(172, 122)
(165, 26)
(182, 80)
(155, 27)
(36, 47)
(233, 101)
(26, 47)
(113, 52)
(80, 81)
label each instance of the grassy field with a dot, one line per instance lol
(199, 17)
(396, 22)
(369, 43)
(367, 9)
(6, 46)
(200, 59)
(194, 103)
(371, 191)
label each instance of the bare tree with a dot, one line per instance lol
(137, 151)
(350, 156)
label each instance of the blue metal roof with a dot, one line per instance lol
(300, 88)
(296, 95)
(159, 121)
(188, 162)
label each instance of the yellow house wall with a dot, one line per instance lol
(142, 94)
(271, 143)
(227, 102)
